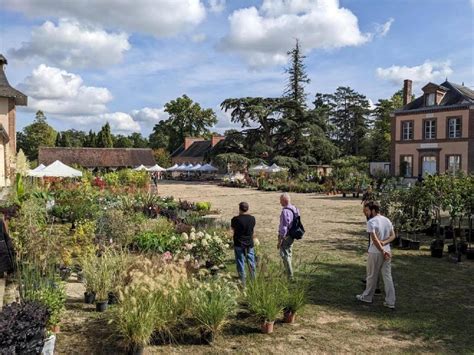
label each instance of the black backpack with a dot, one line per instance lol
(296, 230)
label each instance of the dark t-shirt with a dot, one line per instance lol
(243, 226)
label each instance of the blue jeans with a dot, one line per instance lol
(240, 255)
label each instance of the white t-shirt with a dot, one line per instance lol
(382, 227)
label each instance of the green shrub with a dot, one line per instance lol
(203, 206)
(294, 296)
(155, 242)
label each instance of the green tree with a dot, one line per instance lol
(104, 137)
(349, 117)
(297, 77)
(38, 134)
(187, 118)
(160, 136)
(162, 157)
(121, 141)
(90, 140)
(138, 141)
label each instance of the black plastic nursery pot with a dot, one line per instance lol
(414, 245)
(136, 349)
(101, 306)
(89, 297)
(436, 252)
(112, 298)
(451, 249)
(405, 243)
(448, 233)
(470, 253)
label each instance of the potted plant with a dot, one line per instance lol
(263, 296)
(89, 266)
(29, 317)
(213, 303)
(294, 300)
(136, 316)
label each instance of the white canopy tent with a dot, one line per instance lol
(173, 168)
(274, 169)
(182, 167)
(189, 167)
(36, 170)
(141, 167)
(207, 167)
(156, 167)
(259, 168)
(58, 169)
(196, 167)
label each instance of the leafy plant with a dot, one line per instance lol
(23, 328)
(294, 296)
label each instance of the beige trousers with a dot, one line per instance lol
(376, 265)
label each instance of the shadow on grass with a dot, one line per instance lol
(434, 298)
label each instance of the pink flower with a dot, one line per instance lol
(167, 256)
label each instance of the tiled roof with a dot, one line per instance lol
(456, 95)
(196, 150)
(6, 90)
(98, 157)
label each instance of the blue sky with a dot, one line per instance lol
(121, 62)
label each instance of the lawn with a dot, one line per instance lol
(435, 306)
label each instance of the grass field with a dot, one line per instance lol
(435, 298)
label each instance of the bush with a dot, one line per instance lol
(294, 296)
(23, 328)
(160, 243)
(203, 206)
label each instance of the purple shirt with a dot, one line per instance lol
(286, 218)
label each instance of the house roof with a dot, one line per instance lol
(195, 150)
(456, 95)
(5, 88)
(98, 157)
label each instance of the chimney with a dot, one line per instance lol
(407, 84)
(188, 141)
(216, 139)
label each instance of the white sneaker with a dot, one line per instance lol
(391, 306)
(360, 298)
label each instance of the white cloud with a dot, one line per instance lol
(120, 122)
(382, 29)
(217, 6)
(57, 91)
(71, 44)
(263, 36)
(149, 115)
(198, 38)
(156, 17)
(429, 70)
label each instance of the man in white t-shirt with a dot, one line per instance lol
(379, 258)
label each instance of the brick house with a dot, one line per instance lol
(9, 99)
(194, 150)
(434, 133)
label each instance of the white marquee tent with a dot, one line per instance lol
(58, 169)
(156, 167)
(141, 167)
(36, 170)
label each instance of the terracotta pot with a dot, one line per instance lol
(55, 328)
(267, 327)
(289, 317)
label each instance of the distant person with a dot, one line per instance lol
(154, 178)
(285, 241)
(243, 226)
(379, 258)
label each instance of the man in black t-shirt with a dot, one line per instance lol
(243, 226)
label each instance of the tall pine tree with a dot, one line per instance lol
(104, 137)
(297, 77)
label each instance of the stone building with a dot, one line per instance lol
(9, 99)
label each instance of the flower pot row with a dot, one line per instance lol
(101, 306)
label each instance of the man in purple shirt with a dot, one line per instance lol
(285, 242)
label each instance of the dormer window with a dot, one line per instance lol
(430, 99)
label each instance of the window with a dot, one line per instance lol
(429, 165)
(454, 127)
(430, 129)
(453, 163)
(407, 130)
(430, 99)
(406, 165)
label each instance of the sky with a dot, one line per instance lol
(121, 61)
